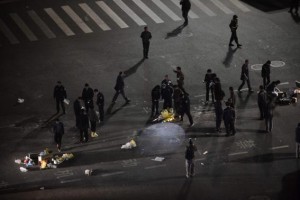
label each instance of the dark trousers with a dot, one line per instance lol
(61, 102)
(57, 139)
(84, 136)
(229, 126)
(146, 49)
(261, 111)
(234, 38)
(167, 103)
(177, 105)
(155, 107)
(243, 83)
(207, 93)
(185, 16)
(188, 113)
(219, 114)
(117, 94)
(87, 104)
(101, 112)
(93, 126)
(77, 120)
(269, 123)
(266, 81)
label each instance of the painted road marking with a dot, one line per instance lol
(245, 144)
(167, 10)
(204, 8)
(284, 83)
(60, 23)
(199, 159)
(155, 166)
(240, 5)
(220, 5)
(192, 15)
(277, 63)
(41, 24)
(280, 147)
(7, 32)
(130, 13)
(148, 11)
(63, 173)
(111, 14)
(77, 19)
(112, 174)
(70, 181)
(129, 163)
(94, 17)
(25, 29)
(238, 153)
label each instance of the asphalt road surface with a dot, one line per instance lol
(80, 42)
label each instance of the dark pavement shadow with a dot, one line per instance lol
(184, 191)
(295, 17)
(290, 186)
(195, 132)
(48, 123)
(268, 5)
(266, 158)
(175, 32)
(110, 112)
(243, 101)
(228, 59)
(133, 69)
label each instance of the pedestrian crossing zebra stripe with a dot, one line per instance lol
(77, 19)
(59, 22)
(7, 33)
(148, 11)
(24, 28)
(220, 5)
(167, 10)
(94, 17)
(192, 15)
(204, 8)
(130, 13)
(241, 6)
(111, 14)
(41, 24)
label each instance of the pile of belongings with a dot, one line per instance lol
(59, 159)
(129, 145)
(285, 98)
(166, 115)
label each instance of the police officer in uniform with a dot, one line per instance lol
(233, 27)
(185, 8)
(146, 36)
(60, 94)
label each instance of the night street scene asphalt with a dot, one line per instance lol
(55, 53)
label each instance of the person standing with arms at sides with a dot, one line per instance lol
(268, 114)
(155, 96)
(232, 98)
(93, 120)
(146, 36)
(261, 101)
(185, 8)
(60, 94)
(265, 73)
(189, 159)
(100, 103)
(186, 108)
(58, 129)
(77, 109)
(119, 87)
(207, 80)
(229, 119)
(87, 96)
(84, 126)
(245, 77)
(180, 77)
(233, 27)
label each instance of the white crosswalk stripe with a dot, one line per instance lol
(204, 8)
(148, 11)
(222, 6)
(25, 29)
(192, 15)
(41, 24)
(7, 33)
(111, 14)
(77, 19)
(60, 23)
(241, 6)
(130, 13)
(94, 17)
(167, 10)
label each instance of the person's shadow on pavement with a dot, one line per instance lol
(175, 32)
(184, 191)
(133, 69)
(228, 59)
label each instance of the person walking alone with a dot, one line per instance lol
(189, 159)
(233, 27)
(265, 73)
(245, 77)
(58, 129)
(60, 94)
(185, 8)
(119, 87)
(146, 36)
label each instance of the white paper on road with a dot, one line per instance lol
(159, 159)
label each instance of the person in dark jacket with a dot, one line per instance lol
(229, 119)
(265, 73)
(180, 77)
(100, 103)
(186, 108)
(232, 98)
(119, 87)
(219, 96)
(261, 101)
(146, 36)
(268, 114)
(58, 129)
(77, 110)
(155, 96)
(93, 120)
(84, 126)
(177, 98)
(189, 159)
(167, 92)
(245, 77)
(60, 94)
(298, 141)
(87, 96)
(233, 27)
(185, 8)
(208, 79)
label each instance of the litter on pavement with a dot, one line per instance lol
(129, 145)
(159, 159)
